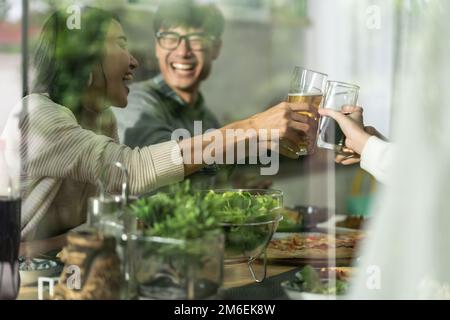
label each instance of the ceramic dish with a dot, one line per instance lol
(32, 269)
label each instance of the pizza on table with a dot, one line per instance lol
(314, 246)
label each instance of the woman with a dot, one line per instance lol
(70, 133)
(406, 254)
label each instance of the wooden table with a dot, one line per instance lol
(28, 293)
(235, 275)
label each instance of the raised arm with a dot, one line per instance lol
(367, 143)
(282, 119)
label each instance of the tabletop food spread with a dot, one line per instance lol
(182, 230)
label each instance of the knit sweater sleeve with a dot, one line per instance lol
(57, 146)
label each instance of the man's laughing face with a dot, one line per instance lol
(184, 68)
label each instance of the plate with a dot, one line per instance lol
(302, 218)
(295, 294)
(332, 221)
(337, 221)
(33, 269)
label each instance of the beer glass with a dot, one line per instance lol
(338, 94)
(306, 86)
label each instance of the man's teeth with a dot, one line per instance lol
(182, 66)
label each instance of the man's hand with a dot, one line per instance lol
(285, 118)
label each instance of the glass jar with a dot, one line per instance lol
(169, 268)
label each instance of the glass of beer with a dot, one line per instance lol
(306, 86)
(338, 94)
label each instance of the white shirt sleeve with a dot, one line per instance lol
(377, 157)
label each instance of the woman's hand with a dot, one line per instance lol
(350, 120)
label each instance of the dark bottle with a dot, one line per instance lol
(9, 230)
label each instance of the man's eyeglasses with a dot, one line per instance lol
(196, 41)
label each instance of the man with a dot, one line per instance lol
(188, 40)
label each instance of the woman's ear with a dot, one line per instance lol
(97, 76)
(215, 51)
(90, 79)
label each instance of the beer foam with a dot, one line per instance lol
(310, 94)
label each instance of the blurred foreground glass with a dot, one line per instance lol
(95, 256)
(10, 207)
(109, 216)
(338, 94)
(306, 86)
(104, 215)
(168, 268)
(9, 247)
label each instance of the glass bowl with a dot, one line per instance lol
(249, 223)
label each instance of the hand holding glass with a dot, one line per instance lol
(306, 86)
(338, 95)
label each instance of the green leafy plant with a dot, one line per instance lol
(240, 207)
(182, 213)
(179, 214)
(185, 214)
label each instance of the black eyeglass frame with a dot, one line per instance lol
(160, 34)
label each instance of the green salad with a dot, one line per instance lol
(186, 214)
(179, 213)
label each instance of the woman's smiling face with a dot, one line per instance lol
(117, 67)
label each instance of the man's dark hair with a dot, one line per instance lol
(65, 56)
(189, 13)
